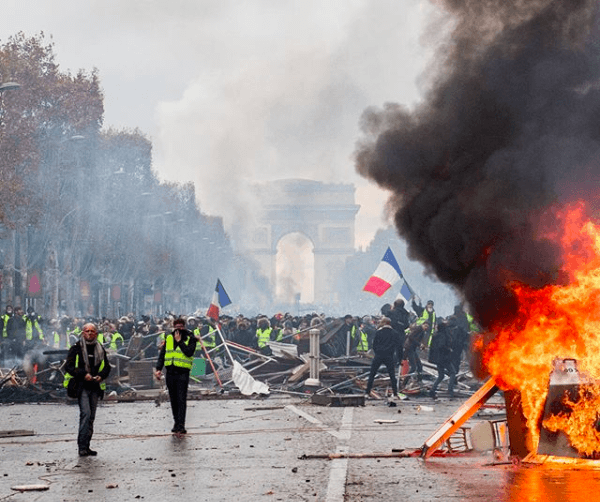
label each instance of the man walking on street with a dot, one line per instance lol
(384, 346)
(87, 364)
(177, 356)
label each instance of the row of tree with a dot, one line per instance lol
(87, 227)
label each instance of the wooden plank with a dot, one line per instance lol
(16, 433)
(462, 415)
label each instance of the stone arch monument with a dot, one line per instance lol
(324, 213)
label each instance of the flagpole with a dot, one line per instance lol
(210, 362)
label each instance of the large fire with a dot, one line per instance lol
(556, 322)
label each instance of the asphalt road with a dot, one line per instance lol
(252, 449)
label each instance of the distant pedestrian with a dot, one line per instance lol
(177, 356)
(88, 366)
(414, 340)
(15, 328)
(441, 354)
(384, 346)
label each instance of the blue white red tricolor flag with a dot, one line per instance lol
(386, 275)
(220, 300)
(406, 292)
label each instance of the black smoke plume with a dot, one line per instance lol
(508, 128)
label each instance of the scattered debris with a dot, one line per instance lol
(338, 399)
(234, 371)
(16, 433)
(30, 488)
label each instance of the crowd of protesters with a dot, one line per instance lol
(417, 333)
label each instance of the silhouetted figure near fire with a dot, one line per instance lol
(413, 341)
(441, 354)
(399, 320)
(384, 347)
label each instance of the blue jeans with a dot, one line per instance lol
(88, 402)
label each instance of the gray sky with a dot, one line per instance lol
(242, 91)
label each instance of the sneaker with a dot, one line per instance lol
(83, 453)
(432, 394)
(92, 453)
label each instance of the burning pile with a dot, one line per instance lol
(556, 323)
(494, 182)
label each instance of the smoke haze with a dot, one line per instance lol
(509, 126)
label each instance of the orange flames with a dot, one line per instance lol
(556, 322)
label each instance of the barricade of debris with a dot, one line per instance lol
(231, 370)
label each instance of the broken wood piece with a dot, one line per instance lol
(332, 456)
(16, 433)
(385, 421)
(463, 414)
(338, 399)
(30, 488)
(299, 371)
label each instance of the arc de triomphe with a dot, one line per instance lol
(324, 213)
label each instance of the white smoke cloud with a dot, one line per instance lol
(233, 92)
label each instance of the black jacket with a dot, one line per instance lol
(386, 341)
(79, 371)
(441, 348)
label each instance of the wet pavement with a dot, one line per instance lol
(250, 449)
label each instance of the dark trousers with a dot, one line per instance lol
(378, 361)
(415, 364)
(88, 402)
(177, 384)
(449, 369)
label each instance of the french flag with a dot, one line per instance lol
(220, 300)
(406, 292)
(387, 274)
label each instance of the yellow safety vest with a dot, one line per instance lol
(5, 318)
(263, 336)
(29, 325)
(209, 341)
(423, 319)
(69, 376)
(362, 346)
(175, 357)
(116, 336)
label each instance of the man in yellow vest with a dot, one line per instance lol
(6, 348)
(32, 323)
(263, 334)
(8, 313)
(177, 356)
(426, 315)
(88, 366)
(55, 335)
(359, 338)
(117, 340)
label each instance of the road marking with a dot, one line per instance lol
(339, 466)
(338, 471)
(314, 421)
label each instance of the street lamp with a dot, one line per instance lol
(6, 86)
